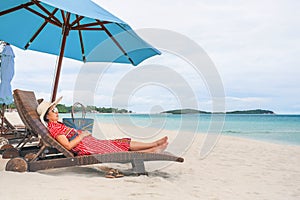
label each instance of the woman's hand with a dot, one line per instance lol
(84, 134)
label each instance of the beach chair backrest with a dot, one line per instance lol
(26, 104)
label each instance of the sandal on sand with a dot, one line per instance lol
(118, 174)
(110, 174)
(114, 173)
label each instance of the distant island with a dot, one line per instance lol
(91, 109)
(193, 111)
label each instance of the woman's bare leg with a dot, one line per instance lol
(156, 149)
(137, 146)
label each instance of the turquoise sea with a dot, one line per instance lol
(281, 129)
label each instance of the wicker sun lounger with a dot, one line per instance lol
(12, 133)
(23, 138)
(53, 155)
(15, 138)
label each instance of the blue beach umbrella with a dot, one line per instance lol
(71, 28)
(6, 75)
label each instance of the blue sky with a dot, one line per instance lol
(255, 46)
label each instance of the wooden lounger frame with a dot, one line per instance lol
(13, 134)
(26, 104)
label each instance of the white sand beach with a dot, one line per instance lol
(237, 168)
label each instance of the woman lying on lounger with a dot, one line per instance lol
(82, 143)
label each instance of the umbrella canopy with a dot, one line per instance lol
(6, 75)
(71, 29)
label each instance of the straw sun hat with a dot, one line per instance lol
(44, 106)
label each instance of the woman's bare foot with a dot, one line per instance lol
(161, 141)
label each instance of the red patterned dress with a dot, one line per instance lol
(89, 145)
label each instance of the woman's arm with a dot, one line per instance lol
(63, 140)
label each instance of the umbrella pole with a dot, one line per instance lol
(58, 69)
(2, 130)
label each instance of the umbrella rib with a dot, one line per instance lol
(46, 11)
(78, 18)
(40, 29)
(126, 30)
(16, 8)
(81, 40)
(63, 16)
(82, 26)
(115, 41)
(89, 29)
(35, 35)
(45, 17)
